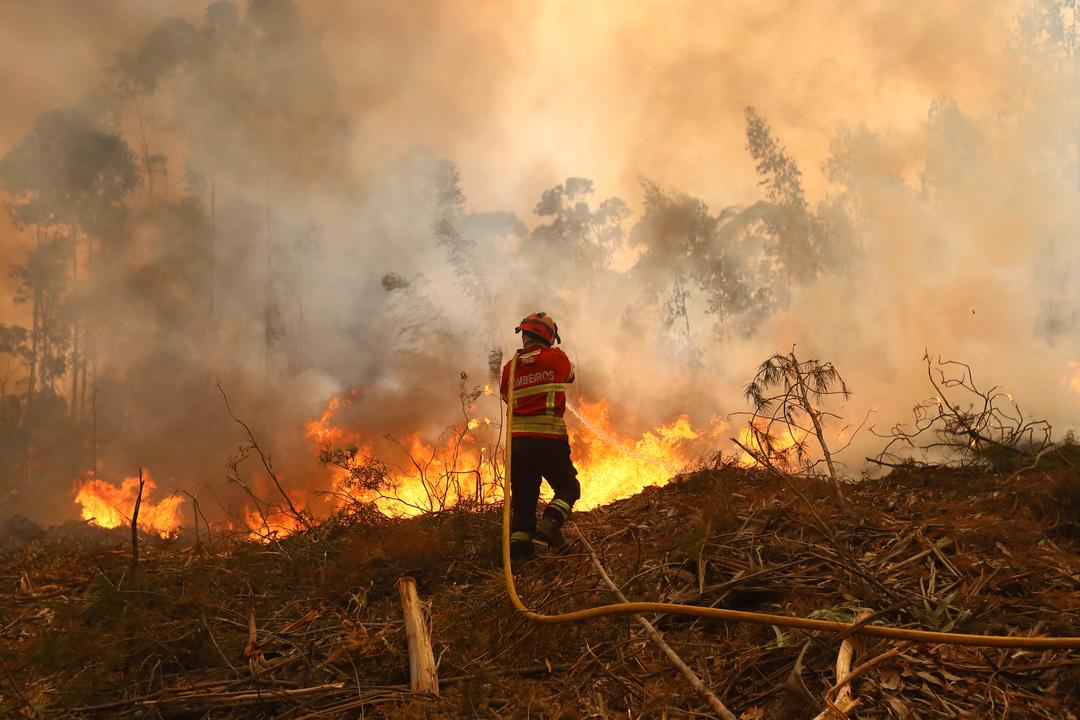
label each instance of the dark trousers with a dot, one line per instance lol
(530, 459)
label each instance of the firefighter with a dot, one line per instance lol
(539, 443)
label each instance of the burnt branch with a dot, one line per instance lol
(261, 506)
(198, 513)
(135, 524)
(448, 473)
(253, 444)
(964, 425)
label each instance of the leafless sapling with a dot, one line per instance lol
(788, 396)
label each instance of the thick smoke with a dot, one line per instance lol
(301, 200)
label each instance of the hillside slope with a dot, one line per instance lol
(311, 626)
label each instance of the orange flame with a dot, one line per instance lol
(275, 522)
(426, 476)
(1073, 382)
(436, 476)
(110, 506)
(322, 432)
(775, 449)
(611, 466)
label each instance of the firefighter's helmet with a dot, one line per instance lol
(542, 326)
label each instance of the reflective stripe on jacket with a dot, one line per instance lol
(539, 392)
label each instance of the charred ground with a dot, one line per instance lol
(310, 626)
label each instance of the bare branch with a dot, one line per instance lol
(254, 445)
(963, 425)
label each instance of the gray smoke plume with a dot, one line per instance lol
(302, 200)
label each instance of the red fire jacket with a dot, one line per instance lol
(539, 392)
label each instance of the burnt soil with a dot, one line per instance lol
(964, 550)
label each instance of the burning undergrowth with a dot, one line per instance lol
(793, 428)
(109, 506)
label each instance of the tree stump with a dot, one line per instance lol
(423, 676)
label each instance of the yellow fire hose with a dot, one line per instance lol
(893, 633)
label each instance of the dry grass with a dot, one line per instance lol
(82, 639)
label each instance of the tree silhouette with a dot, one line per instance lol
(689, 255)
(576, 235)
(68, 179)
(794, 232)
(789, 395)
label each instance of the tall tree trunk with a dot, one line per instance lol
(723, 332)
(1076, 227)
(45, 379)
(93, 432)
(145, 152)
(213, 262)
(82, 380)
(268, 299)
(74, 409)
(88, 336)
(35, 332)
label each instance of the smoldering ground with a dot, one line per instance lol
(302, 200)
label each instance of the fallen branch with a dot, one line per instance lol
(866, 667)
(718, 707)
(991, 430)
(917, 556)
(243, 697)
(844, 702)
(795, 683)
(1034, 463)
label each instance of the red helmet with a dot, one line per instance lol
(542, 325)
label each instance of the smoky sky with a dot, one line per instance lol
(521, 95)
(929, 125)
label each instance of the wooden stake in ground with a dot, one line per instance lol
(423, 676)
(135, 525)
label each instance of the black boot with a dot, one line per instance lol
(521, 551)
(549, 529)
